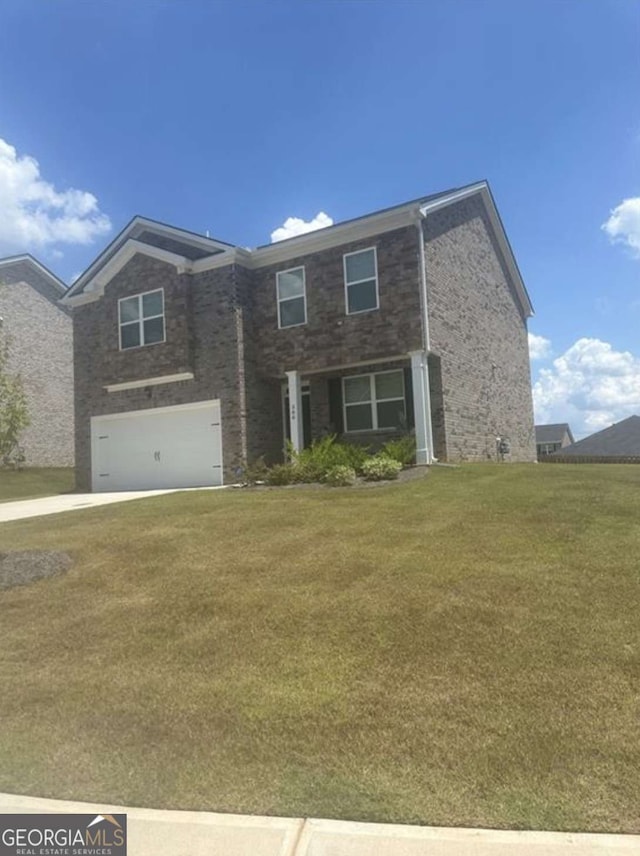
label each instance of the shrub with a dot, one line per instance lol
(340, 476)
(280, 474)
(258, 471)
(402, 450)
(313, 463)
(379, 468)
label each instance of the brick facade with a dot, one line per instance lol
(479, 334)
(40, 335)
(222, 325)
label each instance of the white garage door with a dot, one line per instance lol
(157, 448)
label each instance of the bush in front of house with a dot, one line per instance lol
(324, 454)
(280, 474)
(256, 472)
(402, 450)
(380, 468)
(340, 476)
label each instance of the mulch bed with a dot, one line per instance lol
(22, 567)
(408, 474)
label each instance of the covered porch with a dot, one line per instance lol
(367, 404)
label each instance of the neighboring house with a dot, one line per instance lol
(194, 356)
(619, 442)
(550, 438)
(40, 334)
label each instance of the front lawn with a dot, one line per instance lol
(33, 482)
(456, 650)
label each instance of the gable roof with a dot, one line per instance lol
(153, 234)
(553, 433)
(26, 269)
(140, 230)
(619, 440)
(31, 261)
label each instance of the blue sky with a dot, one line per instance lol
(233, 117)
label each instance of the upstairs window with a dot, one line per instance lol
(361, 281)
(292, 301)
(374, 402)
(141, 319)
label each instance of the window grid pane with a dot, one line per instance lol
(362, 296)
(153, 331)
(357, 389)
(390, 413)
(389, 385)
(290, 284)
(292, 312)
(359, 417)
(130, 335)
(129, 310)
(152, 304)
(360, 266)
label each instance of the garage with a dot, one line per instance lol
(162, 447)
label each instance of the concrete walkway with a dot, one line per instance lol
(25, 508)
(187, 833)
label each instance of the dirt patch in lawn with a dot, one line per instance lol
(22, 567)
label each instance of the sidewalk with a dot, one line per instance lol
(187, 833)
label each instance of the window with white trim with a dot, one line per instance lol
(374, 402)
(292, 300)
(141, 319)
(548, 448)
(361, 281)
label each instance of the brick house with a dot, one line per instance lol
(40, 335)
(551, 438)
(193, 356)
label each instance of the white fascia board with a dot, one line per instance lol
(94, 289)
(149, 381)
(450, 198)
(233, 256)
(62, 288)
(394, 358)
(141, 223)
(137, 225)
(334, 236)
(507, 253)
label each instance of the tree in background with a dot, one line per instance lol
(14, 413)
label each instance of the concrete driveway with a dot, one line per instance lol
(25, 508)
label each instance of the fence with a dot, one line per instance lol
(589, 459)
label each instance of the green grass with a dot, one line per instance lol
(33, 482)
(457, 650)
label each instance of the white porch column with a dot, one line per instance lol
(422, 407)
(295, 410)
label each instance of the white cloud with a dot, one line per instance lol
(623, 225)
(590, 386)
(295, 226)
(539, 347)
(34, 215)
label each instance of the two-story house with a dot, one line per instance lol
(39, 333)
(194, 356)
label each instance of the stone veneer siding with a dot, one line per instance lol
(479, 334)
(40, 336)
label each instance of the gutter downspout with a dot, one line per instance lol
(426, 338)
